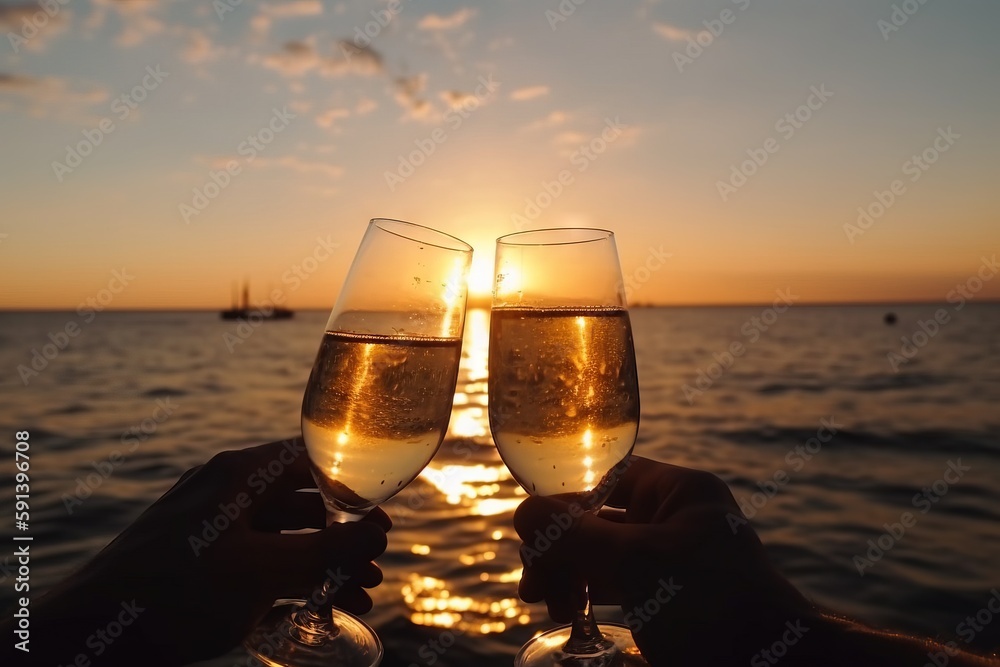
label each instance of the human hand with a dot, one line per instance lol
(688, 571)
(200, 568)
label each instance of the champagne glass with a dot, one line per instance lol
(375, 411)
(564, 397)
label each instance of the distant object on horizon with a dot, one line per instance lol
(890, 318)
(241, 309)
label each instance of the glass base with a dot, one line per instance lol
(546, 650)
(287, 638)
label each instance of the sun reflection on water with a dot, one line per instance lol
(471, 485)
(433, 604)
(469, 418)
(472, 489)
(504, 577)
(469, 423)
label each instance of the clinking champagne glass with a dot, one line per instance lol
(564, 397)
(375, 411)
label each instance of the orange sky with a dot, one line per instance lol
(747, 170)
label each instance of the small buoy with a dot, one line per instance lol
(890, 318)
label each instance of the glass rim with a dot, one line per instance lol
(598, 234)
(461, 246)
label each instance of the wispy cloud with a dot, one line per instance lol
(297, 58)
(331, 116)
(12, 15)
(300, 166)
(15, 17)
(14, 81)
(408, 94)
(673, 33)
(51, 97)
(261, 24)
(642, 10)
(137, 28)
(293, 8)
(448, 22)
(554, 119)
(570, 137)
(136, 16)
(199, 48)
(528, 93)
(365, 106)
(363, 60)
(262, 20)
(456, 98)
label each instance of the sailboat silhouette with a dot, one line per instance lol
(240, 308)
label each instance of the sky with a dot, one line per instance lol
(155, 153)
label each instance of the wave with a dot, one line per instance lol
(925, 441)
(71, 409)
(876, 382)
(164, 392)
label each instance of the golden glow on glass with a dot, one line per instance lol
(453, 298)
(588, 462)
(345, 435)
(510, 284)
(420, 549)
(587, 438)
(553, 641)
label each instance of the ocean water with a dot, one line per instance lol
(452, 566)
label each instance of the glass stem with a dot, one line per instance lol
(313, 624)
(585, 636)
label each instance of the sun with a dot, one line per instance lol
(481, 276)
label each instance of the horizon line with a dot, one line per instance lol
(640, 305)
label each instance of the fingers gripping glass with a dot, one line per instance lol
(564, 397)
(375, 411)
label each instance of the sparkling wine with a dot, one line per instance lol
(564, 398)
(375, 411)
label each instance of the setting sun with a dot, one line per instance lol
(481, 275)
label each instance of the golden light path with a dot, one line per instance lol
(480, 489)
(433, 604)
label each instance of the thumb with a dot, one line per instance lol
(558, 530)
(565, 547)
(351, 543)
(305, 559)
